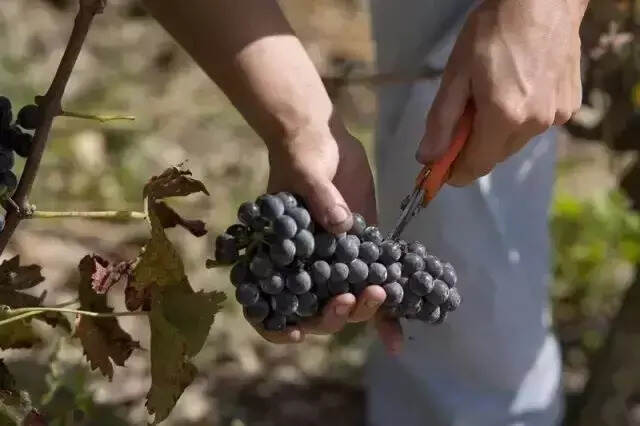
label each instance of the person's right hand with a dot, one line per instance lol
(329, 169)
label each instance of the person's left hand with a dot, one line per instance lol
(519, 62)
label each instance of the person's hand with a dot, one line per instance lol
(329, 169)
(519, 62)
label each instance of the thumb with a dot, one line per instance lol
(327, 205)
(390, 333)
(446, 110)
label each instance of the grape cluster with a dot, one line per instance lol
(14, 138)
(285, 267)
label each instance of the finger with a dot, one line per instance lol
(334, 316)
(483, 150)
(288, 335)
(368, 303)
(327, 205)
(390, 333)
(446, 110)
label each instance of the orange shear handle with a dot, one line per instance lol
(437, 173)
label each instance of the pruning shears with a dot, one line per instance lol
(434, 175)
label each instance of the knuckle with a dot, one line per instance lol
(510, 112)
(562, 116)
(542, 121)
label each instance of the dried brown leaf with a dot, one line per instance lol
(169, 218)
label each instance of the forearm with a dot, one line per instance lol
(249, 50)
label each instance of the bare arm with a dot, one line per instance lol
(248, 48)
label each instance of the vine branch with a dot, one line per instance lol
(97, 117)
(22, 313)
(111, 214)
(51, 104)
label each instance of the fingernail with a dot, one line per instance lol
(337, 214)
(342, 310)
(372, 303)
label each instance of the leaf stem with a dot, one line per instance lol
(51, 104)
(109, 214)
(97, 117)
(40, 309)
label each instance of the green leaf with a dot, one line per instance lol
(102, 339)
(180, 320)
(18, 334)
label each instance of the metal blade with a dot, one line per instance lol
(412, 207)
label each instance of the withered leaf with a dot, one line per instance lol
(13, 278)
(173, 182)
(107, 274)
(104, 342)
(169, 218)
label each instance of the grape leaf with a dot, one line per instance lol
(180, 320)
(107, 274)
(169, 218)
(15, 405)
(103, 341)
(14, 277)
(173, 182)
(17, 334)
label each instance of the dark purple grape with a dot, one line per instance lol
(417, 248)
(404, 246)
(377, 273)
(347, 248)
(429, 313)
(339, 272)
(307, 304)
(394, 292)
(226, 248)
(404, 282)
(338, 287)
(285, 303)
(411, 263)
(389, 252)
(298, 282)
(294, 319)
(259, 223)
(325, 245)
(358, 287)
(282, 252)
(238, 231)
(270, 206)
(7, 159)
(442, 318)
(273, 284)
(358, 271)
(439, 294)
(433, 266)
(285, 227)
(288, 200)
(247, 294)
(257, 312)
(368, 252)
(6, 116)
(411, 304)
(322, 291)
(372, 233)
(394, 272)
(420, 283)
(247, 212)
(320, 272)
(358, 226)
(20, 142)
(240, 272)
(305, 243)
(449, 275)
(261, 266)
(453, 301)
(29, 117)
(301, 216)
(275, 322)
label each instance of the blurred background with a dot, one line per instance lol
(131, 66)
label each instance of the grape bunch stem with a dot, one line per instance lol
(51, 104)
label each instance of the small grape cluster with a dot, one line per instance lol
(285, 267)
(14, 138)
